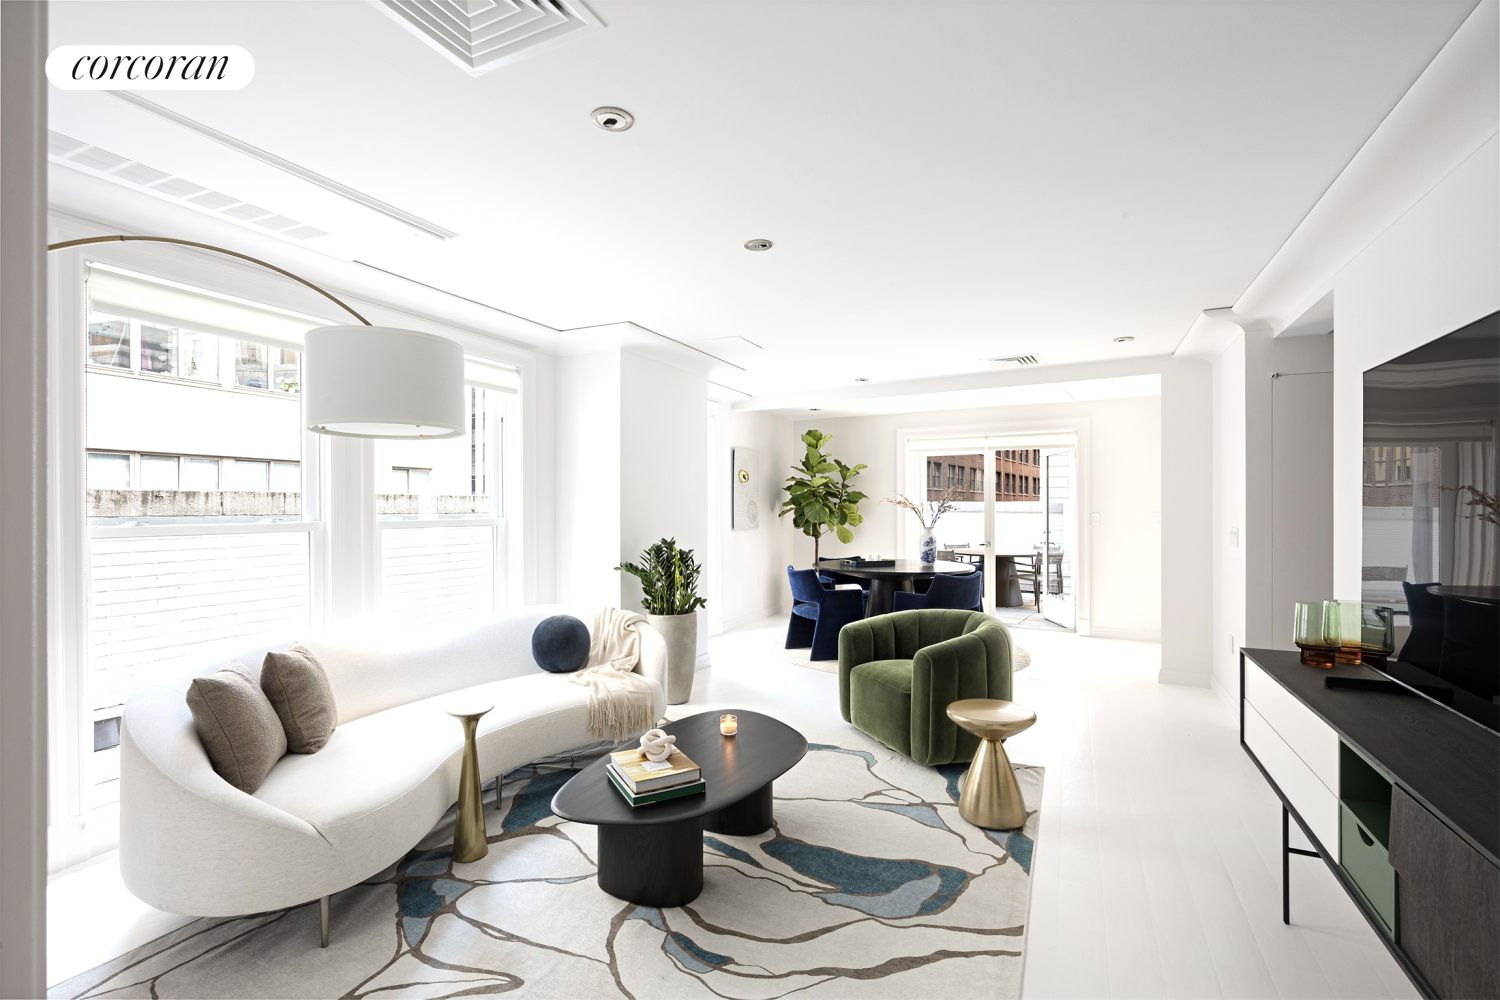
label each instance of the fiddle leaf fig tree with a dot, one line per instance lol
(820, 497)
(669, 579)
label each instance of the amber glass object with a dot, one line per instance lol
(1307, 633)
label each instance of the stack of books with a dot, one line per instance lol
(643, 782)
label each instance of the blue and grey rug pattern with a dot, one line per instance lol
(868, 885)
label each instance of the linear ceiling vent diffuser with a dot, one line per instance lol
(481, 35)
(1019, 361)
(91, 159)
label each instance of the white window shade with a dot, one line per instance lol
(124, 293)
(489, 375)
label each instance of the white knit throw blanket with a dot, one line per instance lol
(620, 701)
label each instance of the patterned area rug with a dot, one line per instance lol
(868, 885)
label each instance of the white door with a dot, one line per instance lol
(1060, 544)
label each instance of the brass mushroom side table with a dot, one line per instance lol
(470, 839)
(991, 798)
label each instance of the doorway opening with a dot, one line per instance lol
(1012, 514)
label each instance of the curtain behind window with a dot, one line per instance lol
(1475, 540)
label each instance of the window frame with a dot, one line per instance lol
(98, 792)
(337, 483)
(496, 520)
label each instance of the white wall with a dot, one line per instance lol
(1186, 522)
(1228, 515)
(631, 468)
(534, 432)
(587, 485)
(1436, 269)
(750, 565)
(663, 464)
(1302, 478)
(1120, 558)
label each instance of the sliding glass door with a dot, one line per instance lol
(997, 518)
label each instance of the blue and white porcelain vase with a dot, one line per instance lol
(928, 547)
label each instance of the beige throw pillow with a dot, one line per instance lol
(298, 689)
(237, 725)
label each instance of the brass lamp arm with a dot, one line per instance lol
(205, 246)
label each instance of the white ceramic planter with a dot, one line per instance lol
(681, 633)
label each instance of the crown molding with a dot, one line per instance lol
(1448, 113)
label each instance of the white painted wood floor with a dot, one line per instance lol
(1157, 873)
(1158, 867)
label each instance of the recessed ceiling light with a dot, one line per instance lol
(613, 119)
(861, 380)
(1123, 340)
(758, 244)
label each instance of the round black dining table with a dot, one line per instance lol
(1465, 592)
(886, 580)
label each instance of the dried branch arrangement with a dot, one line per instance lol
(1488, 503)
(934, 509)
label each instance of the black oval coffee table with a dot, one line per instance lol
(652, 855)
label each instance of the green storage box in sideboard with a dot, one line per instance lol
(1366, 861)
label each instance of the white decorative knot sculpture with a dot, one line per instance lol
(656, 746)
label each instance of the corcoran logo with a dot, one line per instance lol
(150, 67)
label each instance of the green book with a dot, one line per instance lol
(646, 798)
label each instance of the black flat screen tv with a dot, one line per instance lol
(1430, 543)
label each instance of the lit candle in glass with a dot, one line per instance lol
(729, 724)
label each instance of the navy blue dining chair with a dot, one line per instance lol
(818, 612)
(965, 593)
(1424, 645)
(832, 578)
(1470, 629)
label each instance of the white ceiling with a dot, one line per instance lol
(944, 182)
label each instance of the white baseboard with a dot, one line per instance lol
(1130, 634)
(1188, 678)
(1218, 689)
(730, 624)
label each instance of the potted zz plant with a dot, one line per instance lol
(669, 593)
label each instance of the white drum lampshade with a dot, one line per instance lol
(381, 382)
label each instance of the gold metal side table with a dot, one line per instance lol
(991, 798)
(470, 839)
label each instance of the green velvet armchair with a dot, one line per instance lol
(898, 673)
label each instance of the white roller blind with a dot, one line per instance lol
(155, 300)
(490, 375)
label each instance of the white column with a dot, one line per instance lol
(1187, 581)
(353, 545)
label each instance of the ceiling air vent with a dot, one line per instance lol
(1019, 361)
(481, 35)
(92, 159)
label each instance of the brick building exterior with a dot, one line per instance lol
(1018, 476)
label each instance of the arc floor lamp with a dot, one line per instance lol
(362, 381)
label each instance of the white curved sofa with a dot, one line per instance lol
(191, 843)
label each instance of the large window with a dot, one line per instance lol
(200, 537)
(192, 505)
(138, 347)
(441, 516)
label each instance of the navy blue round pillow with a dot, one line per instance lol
(560, 644)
